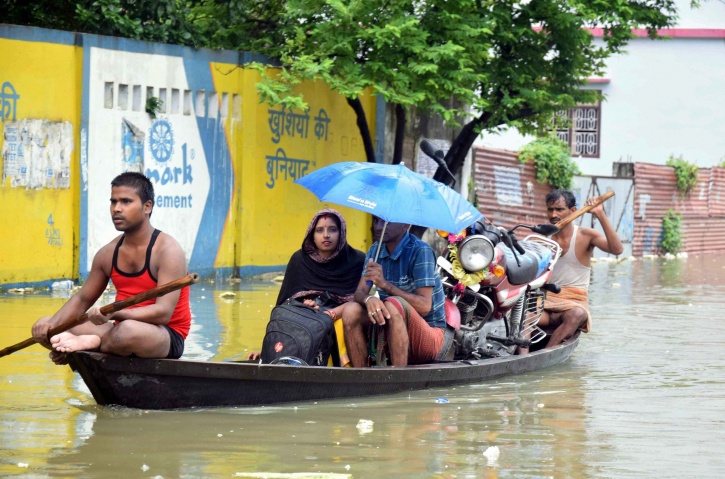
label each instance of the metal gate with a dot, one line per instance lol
(508, 194)
(619, 208)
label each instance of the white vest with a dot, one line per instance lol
(568, 271)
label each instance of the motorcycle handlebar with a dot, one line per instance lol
(545, 229)
(518, 247)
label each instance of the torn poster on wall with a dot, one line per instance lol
(132, 139)
(37, 153)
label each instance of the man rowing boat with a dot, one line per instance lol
(567, 312)
(136, 261)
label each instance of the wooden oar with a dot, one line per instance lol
(187, 280)
(580, 212)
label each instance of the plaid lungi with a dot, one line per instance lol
(425, 341)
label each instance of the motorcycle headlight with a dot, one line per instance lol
(475, 253)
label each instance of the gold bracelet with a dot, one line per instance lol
(331, 313)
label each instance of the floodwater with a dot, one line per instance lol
(643, 396)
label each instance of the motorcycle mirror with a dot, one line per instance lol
(437, 156)
(546, 229)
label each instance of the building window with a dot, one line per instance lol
(580, 128)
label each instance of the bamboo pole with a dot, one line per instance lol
(110, 308)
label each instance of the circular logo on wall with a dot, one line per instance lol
(161, 140)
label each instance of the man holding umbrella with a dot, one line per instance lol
(410, 303)
(411, 300)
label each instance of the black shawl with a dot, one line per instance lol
(309, 275)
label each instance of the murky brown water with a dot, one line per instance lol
(643, 396)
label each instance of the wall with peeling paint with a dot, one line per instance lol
(222, 163)
(39, 114)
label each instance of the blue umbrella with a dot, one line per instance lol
(393, 193)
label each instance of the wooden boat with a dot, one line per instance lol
(173, 384)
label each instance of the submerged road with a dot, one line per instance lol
(642, 396)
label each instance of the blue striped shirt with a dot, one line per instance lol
(412, 266)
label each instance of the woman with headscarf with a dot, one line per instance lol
(324, 272)
(326, 267)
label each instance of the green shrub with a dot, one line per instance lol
(153, 106)
(671, 234)
(686, 174)
(552, 161)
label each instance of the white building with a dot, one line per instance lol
(663, 98)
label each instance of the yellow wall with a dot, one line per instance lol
(267, 216)
(267, 224)
(47, 77)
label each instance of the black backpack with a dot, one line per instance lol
(299, 331)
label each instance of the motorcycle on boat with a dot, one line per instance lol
(495, 285)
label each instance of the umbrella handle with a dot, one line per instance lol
(373, 288)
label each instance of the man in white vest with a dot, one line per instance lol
(567, 312)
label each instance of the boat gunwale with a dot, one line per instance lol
(182, 384)
(258, 371)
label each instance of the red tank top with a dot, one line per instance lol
(130, 284)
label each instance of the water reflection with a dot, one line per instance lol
(229, 320)
(417, 438)
(642, 396)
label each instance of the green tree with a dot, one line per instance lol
(169, 21)
(511, 63)
(671, 236)
(686, 174)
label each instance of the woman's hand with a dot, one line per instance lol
(311, 303)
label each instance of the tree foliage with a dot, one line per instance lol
(510, 63)
(671, 239)
(686, 174)
(168, 21)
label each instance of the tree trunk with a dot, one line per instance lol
(400, 120)
(455, 157)
(362, 126)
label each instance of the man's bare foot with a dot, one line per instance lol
(68, 342)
